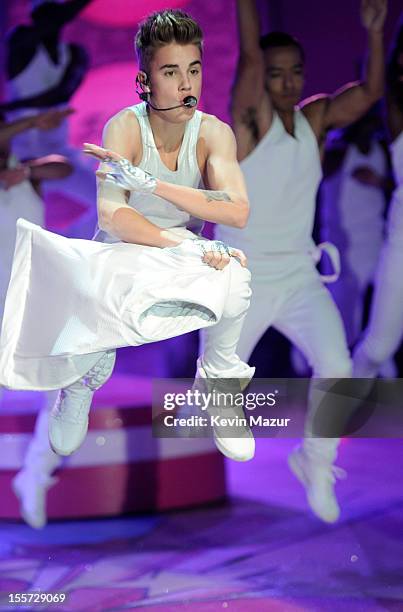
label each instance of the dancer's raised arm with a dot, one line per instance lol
(251, 108)
(353, 100)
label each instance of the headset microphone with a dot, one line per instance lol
(189, 102)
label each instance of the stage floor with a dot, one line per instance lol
(261, 551)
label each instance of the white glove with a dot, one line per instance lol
(212, 245)
(129, 177)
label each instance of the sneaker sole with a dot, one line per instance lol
(59, 452)
(62, 453)
(298, 472)
(225, 452)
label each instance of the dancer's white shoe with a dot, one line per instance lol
(316, 472)
(68, 420)
(31, 490)
(239, 448)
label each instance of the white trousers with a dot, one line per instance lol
(18, 201)
(39, 458)
(219, 359)
(219, 343)
(300, 307)
(349, 292)
(22, 201)
(385, 328)
(219, 355)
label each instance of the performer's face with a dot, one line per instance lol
(175, 72)
(284, 76)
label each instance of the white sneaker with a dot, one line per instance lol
(241, 448)
(68, 419)
(318, 477)
(238, 449)
(31, 490)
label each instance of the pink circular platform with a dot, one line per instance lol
(120, 467)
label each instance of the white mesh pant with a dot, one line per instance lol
(219, 342)
(385, 329)
(349, 292)
(39, 458)
(219, 354)
(301, 308)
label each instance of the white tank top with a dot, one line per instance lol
(37, 77)
(350, 208)
(159, 211)
(395, 215)
(282, 177)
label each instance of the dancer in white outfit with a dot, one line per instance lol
(279, 145)
(352, 204)
(19, 199)
(385, 329)
(145, 278)
(43, 72)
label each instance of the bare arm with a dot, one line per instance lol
(49, 168)
(353, 100)
(250, 104)
(122, 135)
(227, 201)
(45, 120)
(8, 130)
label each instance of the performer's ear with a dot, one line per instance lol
(143, 81)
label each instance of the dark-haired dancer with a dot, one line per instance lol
(148, 275)
(20, 196)
(279, 142)
(353, 196)
(44, 72)
(385, 329)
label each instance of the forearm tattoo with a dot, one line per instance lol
(220, 196)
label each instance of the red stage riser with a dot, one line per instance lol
(121, 467)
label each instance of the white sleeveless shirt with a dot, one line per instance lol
(395, 215)
(159, 211)
(350, 208)
(37, 77)
(282, 176)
